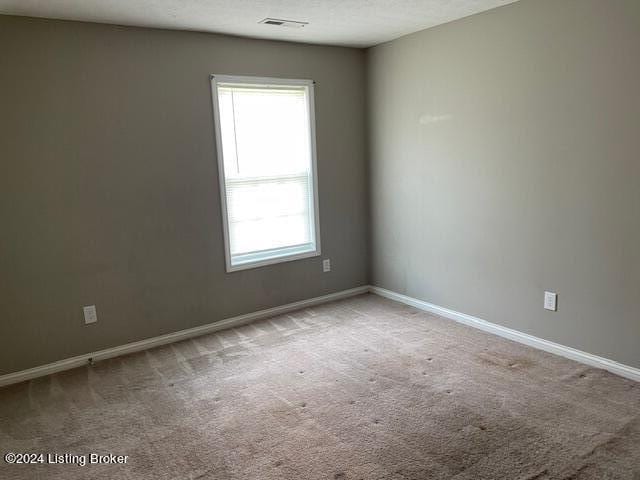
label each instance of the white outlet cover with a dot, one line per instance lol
(326, 265)
(90, 314)
(551, 301)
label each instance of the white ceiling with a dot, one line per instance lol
(357, 23)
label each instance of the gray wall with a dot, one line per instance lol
(108, 184)
(505, 160)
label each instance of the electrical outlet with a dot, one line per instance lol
(326, 265)
(551, 301)
(90, 314)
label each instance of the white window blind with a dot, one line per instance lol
(265, 138)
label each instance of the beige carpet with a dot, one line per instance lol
(359, 389)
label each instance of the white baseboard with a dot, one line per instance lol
(539, 343)
(145, 344)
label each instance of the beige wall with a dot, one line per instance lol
(109, 189)
(505, 160)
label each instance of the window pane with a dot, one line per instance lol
(266, 131)
(268, 213)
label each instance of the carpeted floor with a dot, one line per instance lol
(363, 388)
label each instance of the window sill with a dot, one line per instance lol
(245, 262)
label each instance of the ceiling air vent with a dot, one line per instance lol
(283, 23)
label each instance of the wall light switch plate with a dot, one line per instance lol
(90, 314)
(551, 301)
(326, 265)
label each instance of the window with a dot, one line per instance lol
(265, 134)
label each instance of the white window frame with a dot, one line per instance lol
(284, 254)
